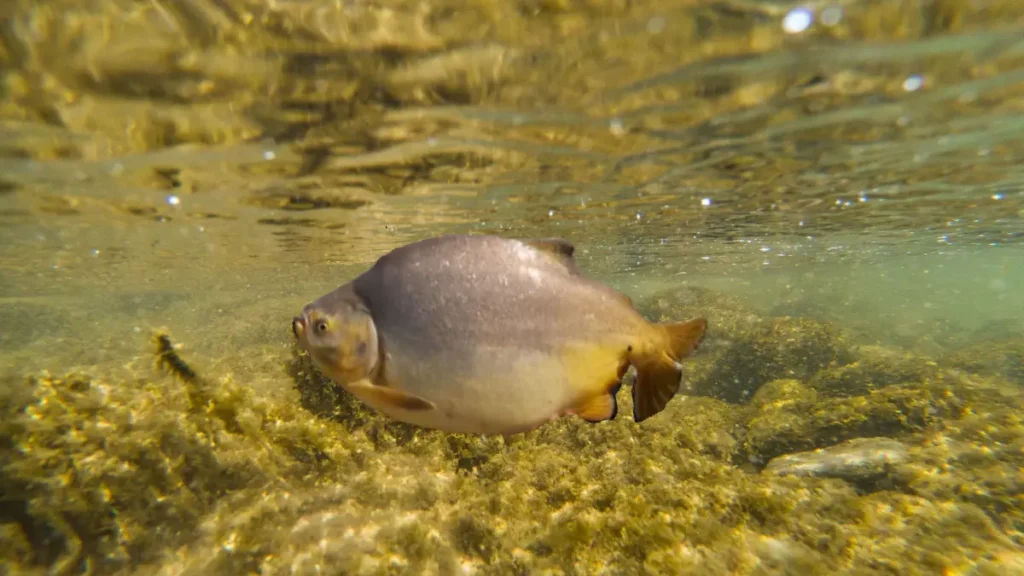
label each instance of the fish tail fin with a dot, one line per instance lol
(657, 366)
(684, 337)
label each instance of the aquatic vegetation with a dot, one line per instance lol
(1000, 358)
(875, 368)
(133, 477)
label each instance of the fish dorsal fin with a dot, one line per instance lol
(623, 298)
(557, 248)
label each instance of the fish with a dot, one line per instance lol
(490, 335)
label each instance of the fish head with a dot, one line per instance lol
(338, 332)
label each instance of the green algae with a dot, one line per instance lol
(875, 368)
(134, 477)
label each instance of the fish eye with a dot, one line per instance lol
(320, 327)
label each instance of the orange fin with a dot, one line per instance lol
(657, 377)
(561, 250)
(596, 372)
(389, 396)
(598, 408)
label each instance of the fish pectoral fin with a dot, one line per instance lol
(598, 408)
(389, 396)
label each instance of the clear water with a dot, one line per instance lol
(207, 167)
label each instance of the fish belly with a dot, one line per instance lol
(489, 390)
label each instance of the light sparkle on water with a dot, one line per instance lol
(913, 83)
(797, 20)
(173, 200)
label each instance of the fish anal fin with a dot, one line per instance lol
(598, 408)
(558, 249)
(595, 371)
(375, 394)
(657, 381)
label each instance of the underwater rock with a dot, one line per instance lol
(104, 474)
(978, 459)
(776, 348)
(804, 424)
(873, 369)
(783, 393)
(133, 476)
(1001, 358)
(854, 460)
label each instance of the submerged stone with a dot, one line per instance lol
(1000, 358)
(807, 425)
(777, 348)
(874, 368)
(855, 460)
(782, 393)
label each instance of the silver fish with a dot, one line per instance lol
(490, 335)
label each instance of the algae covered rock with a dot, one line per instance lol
(872, 369)
(108, 474)
(777, 348)
(857, 460)
(1002, 358)
(156, 476)
(804, 424)
(784, 393)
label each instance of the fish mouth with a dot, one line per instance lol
(299, 327)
